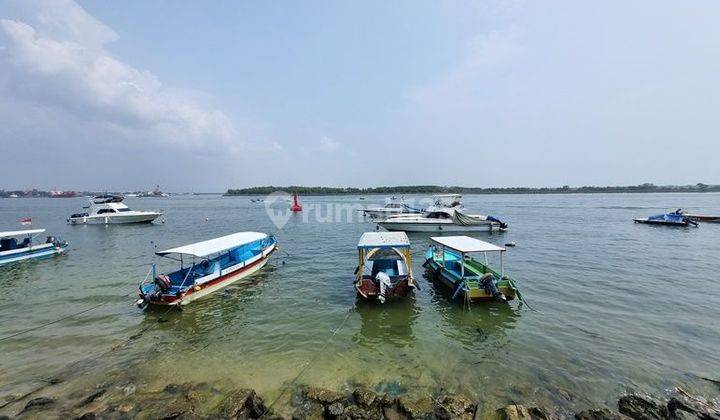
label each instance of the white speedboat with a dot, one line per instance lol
(109, 209)
(393, 207)
(446, 215)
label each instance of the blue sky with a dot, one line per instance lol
(203, 96)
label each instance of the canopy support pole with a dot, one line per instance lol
(502, 264)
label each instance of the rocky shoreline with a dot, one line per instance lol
(204, 400)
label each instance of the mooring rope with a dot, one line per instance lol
(307, 364)
(37, 327)
(115, 347)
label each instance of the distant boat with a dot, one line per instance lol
(446, 215)
(109, 209)
(222, 261)
(449, 260)
(63, 194)
(393, 207)
(155, 193)
(12, 251)
(701, 217)
(384, 266)
(676, 218)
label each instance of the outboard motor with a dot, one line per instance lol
(503, 225)
(163, 282)
(488, 283)
(162, 285)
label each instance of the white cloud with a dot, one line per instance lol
(55, 58)
(487, 56)
(328, 144)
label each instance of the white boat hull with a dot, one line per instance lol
(435, 226)
(376, 214)
(30, 253)
(117, 218)
(241, 271)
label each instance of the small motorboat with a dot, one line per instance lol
(703, 218)
(109, 209)
(12, 251)
(676, 218)
(211, 266)
(447, 215)
(384, 266)
(391, 208)
(700, 217)
(449, 261)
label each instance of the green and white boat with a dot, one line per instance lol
(450, 261)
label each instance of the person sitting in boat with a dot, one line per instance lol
(384, 283)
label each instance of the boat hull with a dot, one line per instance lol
(437, 227)
(661, 222)
(221, 282)
(367, 289)
(703, 218)
(32, 252)
(148, 217)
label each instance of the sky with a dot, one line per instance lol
(206, 96)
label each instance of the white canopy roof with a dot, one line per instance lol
(383, 239)
(466, 244)
(20, 233)
(213, 246)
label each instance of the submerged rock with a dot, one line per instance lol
(365, 398)
(638, 407)
(323, 396)
(599, 414)
(335, 410)
(92, 397)
(38, 403)
(360, 413)
(521, 412)
(686, 408)
(422, 408)
(243, 403)
(309, 410)
(454, 407)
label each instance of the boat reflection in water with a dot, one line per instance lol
(482, 327)
(391, 323)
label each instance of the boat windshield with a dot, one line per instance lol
(385, 254)
(123, 210)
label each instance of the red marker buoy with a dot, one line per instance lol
(296, 204)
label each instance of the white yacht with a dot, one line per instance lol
(393, 207)
(109, 209)
(447, 214)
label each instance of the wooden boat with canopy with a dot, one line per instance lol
(384, 266)
(206, 267)
(449, 260)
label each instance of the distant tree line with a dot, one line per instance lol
(436, 189)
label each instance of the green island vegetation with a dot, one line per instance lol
(437, 189)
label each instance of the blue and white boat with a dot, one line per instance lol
(206, 267)
(676, 218)
(11, 250)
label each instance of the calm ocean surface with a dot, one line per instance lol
(614, 305)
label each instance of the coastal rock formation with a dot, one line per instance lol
(203, 400)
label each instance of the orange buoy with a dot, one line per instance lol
(296, 204)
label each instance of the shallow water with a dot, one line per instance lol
(613, 305)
